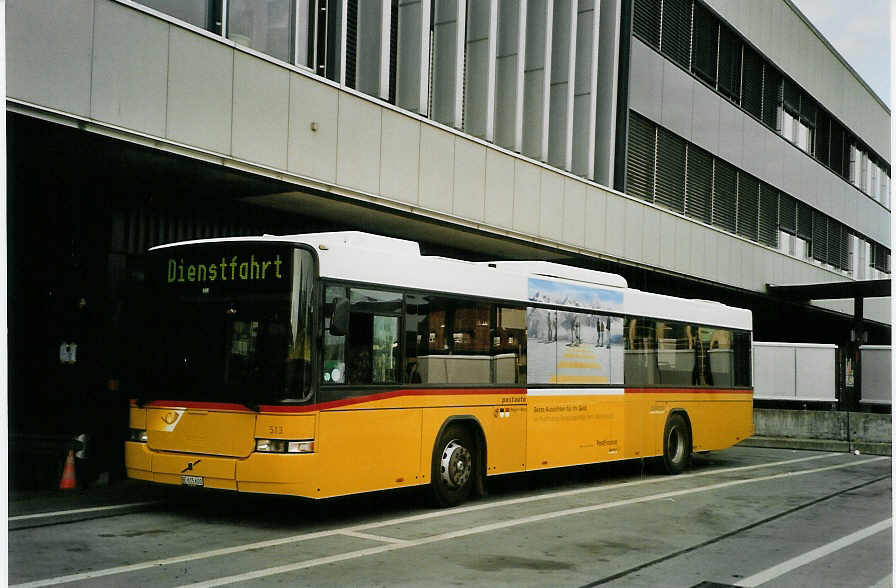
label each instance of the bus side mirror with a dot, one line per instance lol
(339, 318)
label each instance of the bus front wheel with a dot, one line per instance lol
(676, 444)
(453, 466)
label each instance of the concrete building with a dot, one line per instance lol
(703, 148)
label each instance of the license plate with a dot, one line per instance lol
(193, 480)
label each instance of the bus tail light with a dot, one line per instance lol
(137, 435)
(284, 446)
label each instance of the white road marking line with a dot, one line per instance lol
(61, 513)
(401, 520)
(810, 556)
(370, 537)
(501, 525)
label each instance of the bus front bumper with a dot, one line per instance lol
(266, 473)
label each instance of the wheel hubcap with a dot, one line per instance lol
(455, 465)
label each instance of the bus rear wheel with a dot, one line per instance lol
(676, 444)
(453, 466)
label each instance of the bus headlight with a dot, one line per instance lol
(284, 446)
(137, 435)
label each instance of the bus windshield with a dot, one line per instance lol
(232, 323)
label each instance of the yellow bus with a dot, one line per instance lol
(327, 364)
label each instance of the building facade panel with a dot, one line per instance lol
(646, 81)
(499, 189)
(526, 197)
(596, 214)
(677, 100)
(634, 238)
(400, 163)
(705, 118)
(469, 179)
(200, 91)
(650, 237)
(48, 59)
(684, 234)
(699, 259)
(667, 241)
(436, 169)
(313, 128)
(260, 111)
(615, 225)
(358, 149)
(731, 134)
(574, 219)
(129, 74)
(552, 199)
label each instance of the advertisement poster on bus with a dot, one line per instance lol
(574, 348)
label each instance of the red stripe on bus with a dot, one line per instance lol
(338, 403)
(414, 392)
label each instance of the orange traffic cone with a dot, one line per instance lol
(67, 482)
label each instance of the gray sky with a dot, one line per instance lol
(860, 31)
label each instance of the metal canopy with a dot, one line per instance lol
(832, 290)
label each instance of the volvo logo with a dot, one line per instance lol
(189, 467)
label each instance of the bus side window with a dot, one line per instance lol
(334, 345)
(373, 351)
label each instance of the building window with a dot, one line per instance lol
(706, 44)
(204, 14)
(641, 159)
(730, 55)
(670, 170)
(698, 203)
(646, 21)
(675, 41)
(264, 26)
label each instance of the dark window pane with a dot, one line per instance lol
(351, 43)
(804, 221)
(509, 346)
(641, 367)
(699, 184)
(787, 214)
(819, 236)
(676, 40)
(748, 207)
(641, 157)
(265, 26)
(706, 43)
(751, 98)
(670, 169)
(393, 52)
(729, 63)
(791, 97)
(808, 110)
(194, 12)
(743, 364)
(771, 95)
(835, 243)
(449, 340)
(838, 149)
(768, 215)
(646, 21)
(724, 196)
(823, 138)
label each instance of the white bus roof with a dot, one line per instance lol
(360, 257)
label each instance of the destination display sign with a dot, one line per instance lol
(223, 268)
